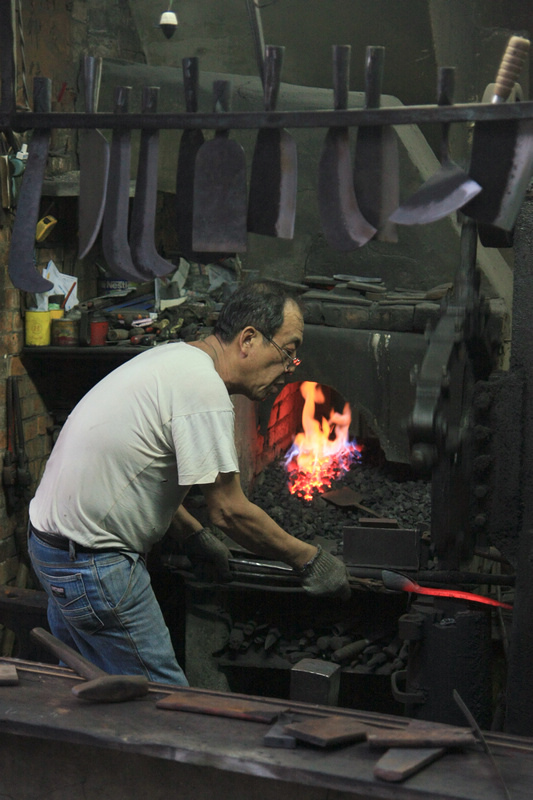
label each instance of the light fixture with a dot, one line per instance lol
(168, 22)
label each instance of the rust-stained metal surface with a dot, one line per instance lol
(43, 707)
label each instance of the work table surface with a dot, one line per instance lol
(42, 706)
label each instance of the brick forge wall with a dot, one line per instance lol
(284, 422)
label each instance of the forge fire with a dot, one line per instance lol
(391, 490)
(323, 451)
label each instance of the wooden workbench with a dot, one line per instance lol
(53, 745)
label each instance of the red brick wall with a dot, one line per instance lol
(34, 414)
(285, 421)
(55, 35)
(47, 41)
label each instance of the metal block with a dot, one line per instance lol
(385, 548)
(378, 522)
(276, 736)
(315, 681)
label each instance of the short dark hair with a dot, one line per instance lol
(259, 303)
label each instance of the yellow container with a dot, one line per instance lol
(57, 313)
(38, 328)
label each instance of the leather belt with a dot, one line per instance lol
(61, 542)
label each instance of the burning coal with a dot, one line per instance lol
(323, 451)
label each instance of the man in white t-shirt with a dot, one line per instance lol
(123, 464)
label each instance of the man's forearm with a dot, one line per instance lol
(183, 525)
(251, 527)
(321, 574)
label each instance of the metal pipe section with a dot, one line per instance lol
(253, 120)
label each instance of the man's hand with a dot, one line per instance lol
(325, 576)
(204, 549)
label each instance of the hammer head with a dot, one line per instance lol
(112, 688)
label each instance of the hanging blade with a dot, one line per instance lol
(344, 226)
(502, 152)
(376, 165)
(142, 240)
(21, 265)
(450, 187)
(220, 192)
(94, 164)
(115, 224)
(273, 177)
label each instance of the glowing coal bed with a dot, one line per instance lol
(389, 490)
(323, 457)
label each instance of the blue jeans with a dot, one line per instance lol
(103, 605)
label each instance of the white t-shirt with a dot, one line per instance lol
(130, 449)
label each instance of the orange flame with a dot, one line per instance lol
(323, 451)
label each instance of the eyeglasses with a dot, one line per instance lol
(288, 359)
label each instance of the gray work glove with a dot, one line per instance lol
(325, 576)
(204, 549)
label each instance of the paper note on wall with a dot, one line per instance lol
(62, 285)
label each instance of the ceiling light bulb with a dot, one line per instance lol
(168, 23)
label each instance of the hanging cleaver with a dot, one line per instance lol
(342, 222)
(447, 189)
(115, 224)
(220, 194)
(376, 167)
(21, 265)
(273, 177)
(502, 152)
(94, 163)
(142, 237)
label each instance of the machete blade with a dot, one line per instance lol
(142, 240)
(376, 165)
(343, 225)
(94, 164)
(21, 264)
(115, 224)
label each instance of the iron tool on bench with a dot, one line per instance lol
(100, 687)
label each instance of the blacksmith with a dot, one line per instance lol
(123, 464)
